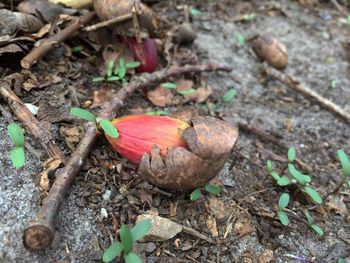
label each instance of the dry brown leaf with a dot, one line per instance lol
(217, 207)
(243, 227)
(337, 205)
(160, 96)
(72, 135)
(50, 165)
(211, 225)
(100, 97)
(266, 256)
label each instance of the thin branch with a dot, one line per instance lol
(35, 127)
(294, 84)
(48, 44)
(40, 232)
(108, 22)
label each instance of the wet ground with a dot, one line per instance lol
(317, 43)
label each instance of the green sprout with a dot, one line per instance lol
(240, 40)
(17, 137)
(229, 95)
(249, 17)
(195, 12)
(345, 164)
(169, 85)
(282, 204)
(212, 189)
(127, 239)
(106, 125)
(301, 179)
(117, 72)
(311, 224)
(157, 112)
(172, 86)
(333, 84)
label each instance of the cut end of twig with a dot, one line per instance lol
(25, 64)
(37, 237)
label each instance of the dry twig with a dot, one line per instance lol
(45, 46)
(108, 22)
(294, 84)
(40, 232)
(31, 123)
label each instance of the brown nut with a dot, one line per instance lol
(149, 21)
(272, 51)
(209, 142)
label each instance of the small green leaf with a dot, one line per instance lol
(283, 181)
(229, 95)
(126, 238)
(169, 85)
(133, 64)
(121, 72)
(77, 49)
(313, 194)
(196, 193)
(283, 218)
(341, 260)
(195, 12)
(291, 154)
(131, 257)
(18, 157)
(109, 128)
(283, 201)
(275, 175)
(301, 178)
(98, 79)
(309, 218)
(345, 163)
(113, 78)
(140, 229)
(122, 63)
(317, 229)
(110, 66)
(333, 84)
(240, 40)
(112, 252)
(186, 92)
(249, 17)
(83, 114)
(16, 134)
(269, 166)
(213, 189)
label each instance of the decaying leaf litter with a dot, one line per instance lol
(249, 230)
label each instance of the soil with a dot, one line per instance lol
(243, 215)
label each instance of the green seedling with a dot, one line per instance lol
(311, 224)
(172, 86)
(117, 73)
(345, 164)
(127, 239)
(240, 40)
(301, 179)
(229, 95)
(282, 204)
(17, 137)
(195, 12)
(212, 189)
(77, 49)
(106, 125)
(333, 84)
(158, 112)
(249, 17)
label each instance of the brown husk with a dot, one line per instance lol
(209, 141)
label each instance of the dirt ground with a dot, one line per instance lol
(317, 41)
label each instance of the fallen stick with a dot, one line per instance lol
(294, 84)
(108, 22)
(47, 44)
(31, 123)
(40, 232)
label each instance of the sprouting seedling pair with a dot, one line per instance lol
(116, 73)
(212, 189)
(127, 239)
(301, 179)
(17, 137)
(172, 86)
(312, 225)
(106, 125)
(282, 204)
